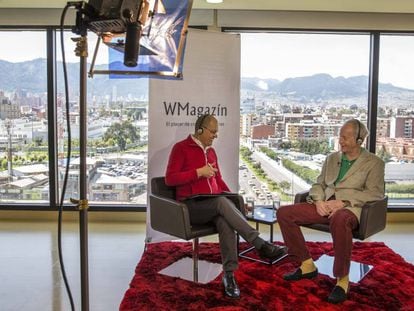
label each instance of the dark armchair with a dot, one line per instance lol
(373, 217)
(172, 217)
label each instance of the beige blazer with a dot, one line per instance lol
(363, 182)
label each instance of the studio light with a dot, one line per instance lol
(214, 1)
(111, 18)
(145, 37)
(163, 24)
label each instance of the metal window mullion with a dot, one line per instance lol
(52, 117)
(373, 90)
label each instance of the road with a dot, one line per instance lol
(278, 173)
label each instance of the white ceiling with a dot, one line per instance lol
(375, 6)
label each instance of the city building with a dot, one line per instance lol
(402, 126)
(8, 109)
(383, 127)
(309, 130)
(262, 131)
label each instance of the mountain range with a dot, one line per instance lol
(30, 76)
(320, 86)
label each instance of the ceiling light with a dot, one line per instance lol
(214, 1)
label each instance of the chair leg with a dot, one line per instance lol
(195, 259)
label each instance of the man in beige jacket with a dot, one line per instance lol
(348, 179)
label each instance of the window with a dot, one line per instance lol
(303, 85)
(117, 131)
(395, 140)
(296, 91)
(24, 173)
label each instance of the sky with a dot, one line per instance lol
(264, 55)
(14, 48)
(282, 56)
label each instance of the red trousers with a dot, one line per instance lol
(341, 224)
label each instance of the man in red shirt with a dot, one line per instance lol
(193, 169)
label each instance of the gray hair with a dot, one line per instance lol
(359, 128)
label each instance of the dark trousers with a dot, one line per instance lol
(341, 224)
(228, 220)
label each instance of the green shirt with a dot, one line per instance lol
(345, 166)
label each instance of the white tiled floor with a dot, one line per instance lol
(30, 277)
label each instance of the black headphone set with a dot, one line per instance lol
(359, 139)
(200, 122)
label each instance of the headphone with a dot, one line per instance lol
(359, 139)
(200, 122)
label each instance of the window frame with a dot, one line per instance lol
(51, 35)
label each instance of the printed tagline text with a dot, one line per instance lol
(179, 124)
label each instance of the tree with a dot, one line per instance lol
(38, 141)
(4, 164)
(285, 145)
(121, 133)
(270, 153)
(245, 152)
(384, 155)
(284, 185)
(312, 146)
(134, 114)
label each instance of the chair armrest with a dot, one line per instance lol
(170, 217)
(373, 218)
(301, 196)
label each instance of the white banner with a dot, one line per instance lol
(211, 84)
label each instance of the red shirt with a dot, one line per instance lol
(185, 158)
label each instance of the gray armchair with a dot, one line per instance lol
(172, 217)
(373, 217)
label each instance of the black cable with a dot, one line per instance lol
(65, 180)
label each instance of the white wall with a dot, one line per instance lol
(293, 19)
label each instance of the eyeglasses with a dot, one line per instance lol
(213, 132)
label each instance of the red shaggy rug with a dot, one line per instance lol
(388, 286)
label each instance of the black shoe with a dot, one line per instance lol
(230, 286)
(271, 251)
(337, 295)
(298, 275)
